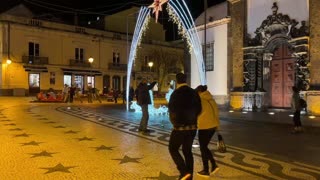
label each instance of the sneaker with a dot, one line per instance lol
(214, 170)
(295, 131)
(300, 129)
(203, 173)
(185, 177)
(147, 131)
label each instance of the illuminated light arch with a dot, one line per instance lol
(180, 14)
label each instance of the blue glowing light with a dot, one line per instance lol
(180, 11)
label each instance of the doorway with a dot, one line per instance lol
(282, 77)
(34, 83)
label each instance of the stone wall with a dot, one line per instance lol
(314, 43)
(237, 13)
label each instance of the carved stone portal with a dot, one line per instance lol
(275, 31)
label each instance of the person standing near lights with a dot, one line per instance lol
(65, 93)
(296, 107)
(143, 99)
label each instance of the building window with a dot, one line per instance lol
(90, 80)
(209, 57)
(146, 61)
(67, 80)
(116, 58)
(34, 49)
(79, 54)
(116, 83)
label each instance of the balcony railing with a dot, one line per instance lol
(35, 60)
(118, 67)
(147, 69)
(174, 70)
(79, 63)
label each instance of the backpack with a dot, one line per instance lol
(303, 103)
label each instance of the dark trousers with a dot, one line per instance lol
(145, 117)
(185, 139)
(71, 98)
(206, 155)
(296, 118)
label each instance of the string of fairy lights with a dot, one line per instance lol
(99, 10)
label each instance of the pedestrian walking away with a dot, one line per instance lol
(143, 99)
(208, 123)
(296, 107)
(184, 108)
(72, 91)
(115, 95)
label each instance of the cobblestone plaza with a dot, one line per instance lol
(81, 141)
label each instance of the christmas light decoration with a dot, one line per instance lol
(157, 7)
(180, 14)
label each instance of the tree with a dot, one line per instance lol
(166, 61)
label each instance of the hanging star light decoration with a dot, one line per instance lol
(157, 7)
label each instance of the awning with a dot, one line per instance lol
(37, 69)
(81, 72)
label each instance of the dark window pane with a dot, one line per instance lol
(77, 53)
(81, 54)
(37, 49)
(31, 49)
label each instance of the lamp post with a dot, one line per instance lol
(8, 62)
(91, 61)
(150, 64)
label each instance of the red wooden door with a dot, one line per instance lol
(282, 78)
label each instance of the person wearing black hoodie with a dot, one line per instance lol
(184, 108)
(143, 99)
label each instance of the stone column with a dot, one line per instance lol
(314, 43)
(237, 13)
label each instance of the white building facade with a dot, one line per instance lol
(261, 50)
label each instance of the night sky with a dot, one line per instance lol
(89, 10)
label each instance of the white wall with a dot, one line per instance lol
(217, 79)
(259, 10)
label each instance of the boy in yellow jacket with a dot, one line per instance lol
(208, 122)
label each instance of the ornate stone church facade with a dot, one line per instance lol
(274, 45)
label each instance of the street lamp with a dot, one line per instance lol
(150, 64)
(91, 61)
(9, 61)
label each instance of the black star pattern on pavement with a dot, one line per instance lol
(59, 168)
(31, 143)
(127, 159)
(15, 129)
(11, 124)
(103, 147)
(22, 135)
(50, 122)
(59, 126)
(85, 139)
(71, 132)
(37, 116)
(163, 176)
(43, 153)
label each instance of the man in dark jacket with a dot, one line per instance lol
(184, 108)
(143, 99)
